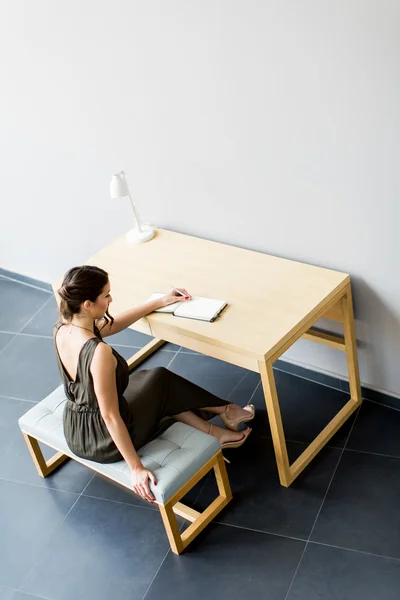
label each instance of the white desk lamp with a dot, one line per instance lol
(119, 189)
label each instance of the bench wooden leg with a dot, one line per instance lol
(199, 520)
(168, 510)
(43, 467)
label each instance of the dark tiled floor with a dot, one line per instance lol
(333, 535)
(322, 402)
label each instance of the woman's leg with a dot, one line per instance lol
(222, 434)
(157, 393)
(233, 411)
(182, 395)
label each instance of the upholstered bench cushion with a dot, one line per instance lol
(173, 457)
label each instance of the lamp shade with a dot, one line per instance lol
(118, 186)
(142, 232)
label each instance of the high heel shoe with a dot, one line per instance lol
(234, 424)
(237, 444)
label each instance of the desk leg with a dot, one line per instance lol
(144, 353)
(287, 472)
(275, 421)
(351, 346)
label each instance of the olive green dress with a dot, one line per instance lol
(146, 398)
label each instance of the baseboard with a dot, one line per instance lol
(26, 280)
(337, 383)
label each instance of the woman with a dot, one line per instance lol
(110, 414)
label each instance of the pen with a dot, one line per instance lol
(179, 291)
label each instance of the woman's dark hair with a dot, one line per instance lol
(80, 284)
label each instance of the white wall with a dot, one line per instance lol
(268, 125)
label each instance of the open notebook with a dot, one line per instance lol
(202, 309)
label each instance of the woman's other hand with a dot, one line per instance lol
(140, 483)
(174, 296)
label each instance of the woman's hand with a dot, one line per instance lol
(174, 296)
(140, 483)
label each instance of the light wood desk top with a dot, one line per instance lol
(269, 298)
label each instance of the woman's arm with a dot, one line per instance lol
(123, 320)
(103, 373)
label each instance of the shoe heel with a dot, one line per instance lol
(241, 427)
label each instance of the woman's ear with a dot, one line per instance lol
(87, 305)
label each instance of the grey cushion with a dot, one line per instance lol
(173, 457)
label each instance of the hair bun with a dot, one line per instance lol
(62, 292)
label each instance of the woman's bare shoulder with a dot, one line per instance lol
(103, 356)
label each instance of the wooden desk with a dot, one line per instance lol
(272, 302)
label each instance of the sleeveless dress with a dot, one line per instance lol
(146, 399)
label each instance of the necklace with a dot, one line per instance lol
(80, 327)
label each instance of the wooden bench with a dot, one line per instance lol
(179, 458)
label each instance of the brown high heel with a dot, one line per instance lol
(233, 425)
(237, 444)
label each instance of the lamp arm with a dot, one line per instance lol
(135, 212)
(138, 220)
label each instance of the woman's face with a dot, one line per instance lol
(103, 300)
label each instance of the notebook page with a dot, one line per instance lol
(199, 308)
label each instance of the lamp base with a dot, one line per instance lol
(134, 236)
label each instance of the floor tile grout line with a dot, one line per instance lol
(297, 569)
(27, 323)
(155, 509)
(169, 549)
(52, 535)
(354, 550)
(28, 593)
(338, 448)
(180, 529)
(31, 285)
(334, 473)
(280, 535)
(36, 485)
(201, 489)
(291, 441)
(237, 385)
(111, 343)
(331, 387)
(381, 404)
(50, 337)
(322, 504)
(173, 358)
(373, 453)
(26, 334)
(255, 389)
(156, 573)
(19, 399)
